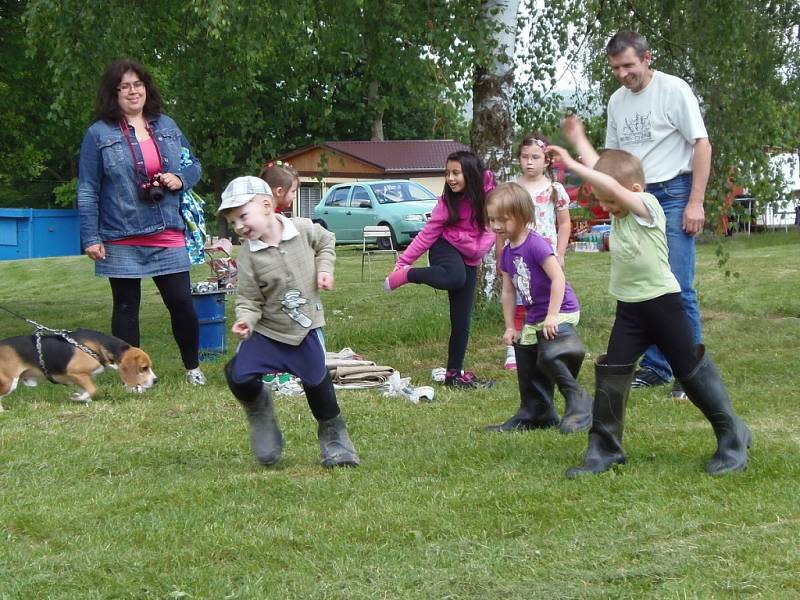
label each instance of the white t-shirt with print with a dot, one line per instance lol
(545, 210)
(658, 125)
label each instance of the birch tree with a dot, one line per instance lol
(492, 121)
(493, 86)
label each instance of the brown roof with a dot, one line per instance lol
(397, 156)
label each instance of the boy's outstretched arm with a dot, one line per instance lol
(324, 244)
(573, 130)
(249, 297)
(606, 185)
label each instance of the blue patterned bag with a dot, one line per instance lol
(192, 212)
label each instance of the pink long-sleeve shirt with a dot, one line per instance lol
(464, 235)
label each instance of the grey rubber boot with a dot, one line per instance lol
(612, 385)
(561, 360)
(707, 392)
(266, 440)
(335, 446)
(536, 410)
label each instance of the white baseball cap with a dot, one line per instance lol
(241, 190)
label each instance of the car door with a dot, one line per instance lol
(362, 211)
(334, 212)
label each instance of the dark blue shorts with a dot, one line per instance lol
(259, 355)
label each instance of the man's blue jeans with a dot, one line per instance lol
(673, 195)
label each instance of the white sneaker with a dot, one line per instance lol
(511, 359)
(415, 394)
(293, 387)
(195, 377)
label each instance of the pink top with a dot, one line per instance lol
(168, 238)
(464, 235)
(150, 155)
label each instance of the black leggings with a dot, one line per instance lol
(175, 290)
(661, 321)
(448, 272)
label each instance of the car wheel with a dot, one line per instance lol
(321, 222)
(383, 243)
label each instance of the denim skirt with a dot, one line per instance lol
(135, 262)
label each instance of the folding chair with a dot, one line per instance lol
(372, 236)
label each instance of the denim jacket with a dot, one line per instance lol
(109, 203)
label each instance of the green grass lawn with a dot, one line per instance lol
(158, 496)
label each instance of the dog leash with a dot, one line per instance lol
(62, 333)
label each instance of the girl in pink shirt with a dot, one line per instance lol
(456, 238)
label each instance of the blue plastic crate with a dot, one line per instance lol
(36, 233)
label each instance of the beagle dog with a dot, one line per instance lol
(60, 359)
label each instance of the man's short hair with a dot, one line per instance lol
(622, 166)
(623, 40)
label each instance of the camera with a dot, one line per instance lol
(152, 190)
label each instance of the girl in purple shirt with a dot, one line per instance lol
(548, 350)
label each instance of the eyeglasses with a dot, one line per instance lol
(127, 87)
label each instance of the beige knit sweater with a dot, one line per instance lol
(277, 293)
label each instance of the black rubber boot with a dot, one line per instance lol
(707, 392)
(612, 385)
(561, 360)
(266, 439)
(536, 409)
(335, 447)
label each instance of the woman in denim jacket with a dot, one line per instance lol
(130, 182)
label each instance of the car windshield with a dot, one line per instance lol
(403, 191)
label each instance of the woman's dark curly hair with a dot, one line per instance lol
(473, 170)
(106, 106)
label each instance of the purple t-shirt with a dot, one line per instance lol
(524, 265)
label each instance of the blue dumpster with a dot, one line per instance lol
(210, 309)
(36, 233)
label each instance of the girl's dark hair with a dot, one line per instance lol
(106, 107)
(473, 170)
(537, 139)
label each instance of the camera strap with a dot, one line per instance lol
(124, 128)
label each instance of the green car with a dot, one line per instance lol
(403, 205)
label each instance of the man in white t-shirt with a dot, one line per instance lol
(656, 117)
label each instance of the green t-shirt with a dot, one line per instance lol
(639, 256)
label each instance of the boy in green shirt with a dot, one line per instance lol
(649, 311)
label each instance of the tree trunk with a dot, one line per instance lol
(492, 121)
(377, 123)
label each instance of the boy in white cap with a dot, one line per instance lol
(283, 264)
